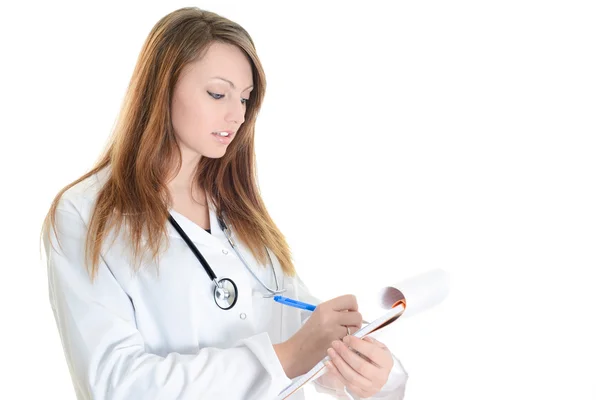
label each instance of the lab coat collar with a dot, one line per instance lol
(196, 233)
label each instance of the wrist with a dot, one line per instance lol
(285, 351)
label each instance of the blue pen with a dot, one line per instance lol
(294, 303)
(298, 304)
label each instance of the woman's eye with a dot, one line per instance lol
(216, 95)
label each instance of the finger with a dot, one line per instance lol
(330, 380)
(335, 374)
(374, 352)
(341, 331)
(353, 329)
(348, 376)
(375, 341)
(349, 318)
(346, 302)
(356, 370)
(359, 363)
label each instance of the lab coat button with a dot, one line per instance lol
(225, 251)
(243, 315)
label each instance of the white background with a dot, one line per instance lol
(396, 137)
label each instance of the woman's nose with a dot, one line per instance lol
(236, 112)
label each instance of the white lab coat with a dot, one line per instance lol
(161, 336)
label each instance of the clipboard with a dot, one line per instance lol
(319, 369)
(409, 297)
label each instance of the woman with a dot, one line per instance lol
(139, 313)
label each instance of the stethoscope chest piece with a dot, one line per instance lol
(225, 294)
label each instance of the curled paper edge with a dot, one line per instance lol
(419, 293)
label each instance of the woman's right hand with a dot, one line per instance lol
(327, 323)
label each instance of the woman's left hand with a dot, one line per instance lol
(363, 374)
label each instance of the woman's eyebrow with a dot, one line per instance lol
(230, 83)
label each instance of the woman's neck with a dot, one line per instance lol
(184, 186)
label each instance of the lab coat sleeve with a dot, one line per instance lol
(393, 389)
(106, 353)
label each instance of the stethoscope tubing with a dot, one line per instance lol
(271, 291)
(209, 270)
(194, 249)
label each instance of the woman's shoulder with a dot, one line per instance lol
(82, 196)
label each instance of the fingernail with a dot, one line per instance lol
(331, 352)
(347, 339)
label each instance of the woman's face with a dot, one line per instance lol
(210, 97)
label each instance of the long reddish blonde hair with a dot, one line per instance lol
(143, 152)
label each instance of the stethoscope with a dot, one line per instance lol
(225, 292)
